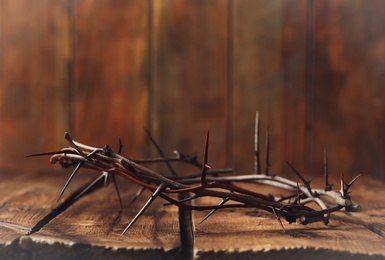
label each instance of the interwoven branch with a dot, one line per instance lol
(209, 183)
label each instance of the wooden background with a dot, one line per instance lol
(104, 70)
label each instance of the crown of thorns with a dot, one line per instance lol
(216, 183)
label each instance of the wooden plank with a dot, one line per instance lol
(269, 60)
(190, 95)
(253, 233)
(91, 226)
(348, 92)
(33, 79)
(111, 91)
(259, 236)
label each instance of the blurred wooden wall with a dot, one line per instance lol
(104, 70)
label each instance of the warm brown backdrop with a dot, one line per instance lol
(106, 69)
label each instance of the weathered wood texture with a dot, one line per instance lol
(348, 101)
(90, 228)
(105, 70)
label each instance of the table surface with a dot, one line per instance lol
(33, 225)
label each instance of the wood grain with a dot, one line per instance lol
(111, 86)
(103, 71)
(269, 60)
(91, 226)
(34, 51)
(190, 43)
(348, 91)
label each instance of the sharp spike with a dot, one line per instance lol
(120, 147)
(52, 153)
(159, 190)
(278, 216)
(305, 182)
(214, 210)
(347, 186)
(256, 145)
(267, 153)
(328, 186)
(71, 141)
(69, 180)
(205, 166)
(157, 147)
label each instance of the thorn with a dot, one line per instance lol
(328, 187)
(205, 166)
(71, 141)
(267, 153)
(278, 216)
(214, 210)
(120, 147)
(69, 180)
(256, 145)
(348, 185)
(157, 147)
(305, 182)
(50, 153)
(75, 171)
(159, 190)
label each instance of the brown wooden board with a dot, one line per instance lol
(190, 94)
(269, 60)
(111, 87)
(34, 51)
(348, 86)
(90, 228)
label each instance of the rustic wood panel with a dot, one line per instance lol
(105, 70)
(349, 94)
(190, 42)
(269, 59)
(111, 87)
(34, 51)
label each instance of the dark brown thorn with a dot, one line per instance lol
(205, 166)
(256, 145)
(267, 153)
(159, 150)
(120, 147)
(75, 171)
(69, 180)
(51, 153)
(71, 141)
(113, 178)
(214, 210)
(348, 185)
(328, 187)
(159, 190)
(305, 182)
(278, 216)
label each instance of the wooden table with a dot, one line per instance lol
(91, 227)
